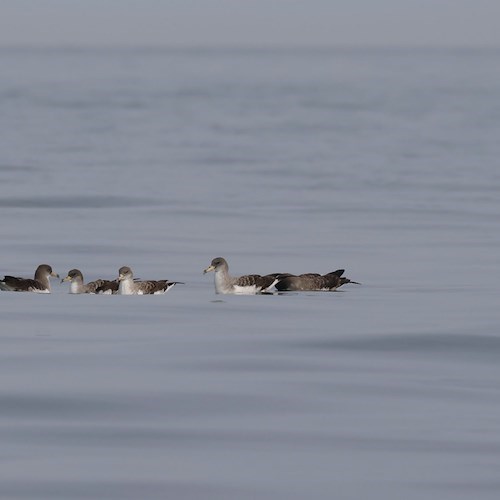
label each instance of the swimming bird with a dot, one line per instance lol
(75, 276)
(127, 285)
(249, 284)
(313, 281)
(40, 283)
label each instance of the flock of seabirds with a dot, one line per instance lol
(125, 284)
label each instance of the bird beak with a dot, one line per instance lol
(120, 277)
(54, 274)
(208, 269)
(65, 279)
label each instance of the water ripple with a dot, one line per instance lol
(120, 490)
(423, 343)
(95, 201)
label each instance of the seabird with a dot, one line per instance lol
(40, 284)
(313, 282)
(249, 284)
(127, 285)
(75, 276)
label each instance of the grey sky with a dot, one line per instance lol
(250, 22)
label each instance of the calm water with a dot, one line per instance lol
(384, 163)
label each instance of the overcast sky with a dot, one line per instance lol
(250, 22)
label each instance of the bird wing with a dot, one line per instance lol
(93, 286)
(260, 282)
(151, 287)
(107, 287)
(15, 284)
(338, 272)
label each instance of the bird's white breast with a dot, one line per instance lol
(126, 287)
(246, 290)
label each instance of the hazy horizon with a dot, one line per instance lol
(238, 23)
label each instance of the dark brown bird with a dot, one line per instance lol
(313, 282)
(249, 284)
(75, 277)
(127, 285)
(40, 283)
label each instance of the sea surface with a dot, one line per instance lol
(382, 162)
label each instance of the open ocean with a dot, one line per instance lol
(381, 162)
